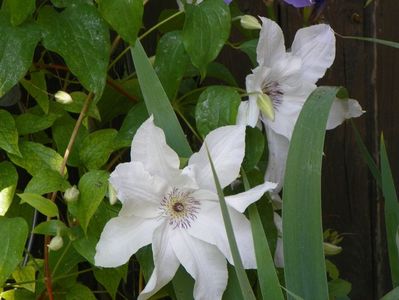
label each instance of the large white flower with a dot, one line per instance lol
(282, 82)
(178, 210)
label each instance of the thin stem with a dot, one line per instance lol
(115, 159)
(188, 124)
(61, 258)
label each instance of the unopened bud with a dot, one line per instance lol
(56, 243)
(63, 97)
(111, 194)
(265, 105)
(331, 249)
(71, 194)
(250, 22)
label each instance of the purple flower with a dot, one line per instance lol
(302, 3)
(228, 1)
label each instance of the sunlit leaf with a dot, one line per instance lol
(8, 184)
(8, 133)
(44, 205)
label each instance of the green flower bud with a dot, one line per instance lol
(63, 97)
(250, 22)
(56, 243)
(331, 249)
(265, 105)
(71, 194)
(111, 194)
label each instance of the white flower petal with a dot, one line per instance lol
(149, 147)
(315, 45)
(271, 46)
(209, 227)
(204, 263)
(342, 110)
(248, 113)
(139, 191)
(241, 201)
(227, 148)
(165, 262)
(278, 146)
(121, 238)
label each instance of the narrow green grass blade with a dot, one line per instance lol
(391, 212)
(371, 40)
(367, 156)
(157, 102)
(267, 276)
(245, 286)
(305, 270)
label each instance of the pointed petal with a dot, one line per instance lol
(316, 46)
(342, 110)
(242, 200)
(209, 227)
(165, 262)
(227, 147)
(139, 191)
(204, 263)
(278, 151)
(271, 46)
(149, 147)
(248, 113)
(121, 238)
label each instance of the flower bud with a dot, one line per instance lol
(56, 243)
(250, 22)
(111, 194)
(331, 249)
(71, 194)
(63, 97)
(265, 105)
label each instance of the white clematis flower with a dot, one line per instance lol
(281, 83)
(178, 210)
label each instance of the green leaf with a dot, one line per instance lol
(305, 270)
(245, 286)
(8, 133)
(47, 181)
(221, 72)
(157, 102)
(339, 288)
(17, 45)
(27, 273)
(171, 61)
(37, 88)
(134, 118)
(35, 157)
(206, 29)
(17, 294)
(217, 106)
(13, 234)
(85, 245)
(96, 148)
(76, 106)
(8, 184)
(249, 48)
(125, 16)
(332, 270)
(254, 147)
(30, 123)
(81, 37)
(79, 292)
(20, 10)
(62, 131)
(110, 278)
(392, 295)
(92, 186)
(44, 205)
(52, 227)
(391, 210)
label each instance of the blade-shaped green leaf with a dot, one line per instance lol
(13, 234)
(44, 205)
(92, 186)
(391, 210)
(157, 102)
(245, 286)
(305, 270)
(8, 133)
(124, 16)
(392, 295)
(8, 184)
(206, 29)
(81, 37)
(17, 45)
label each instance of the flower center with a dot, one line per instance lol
(273, 90)
(180, 208)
